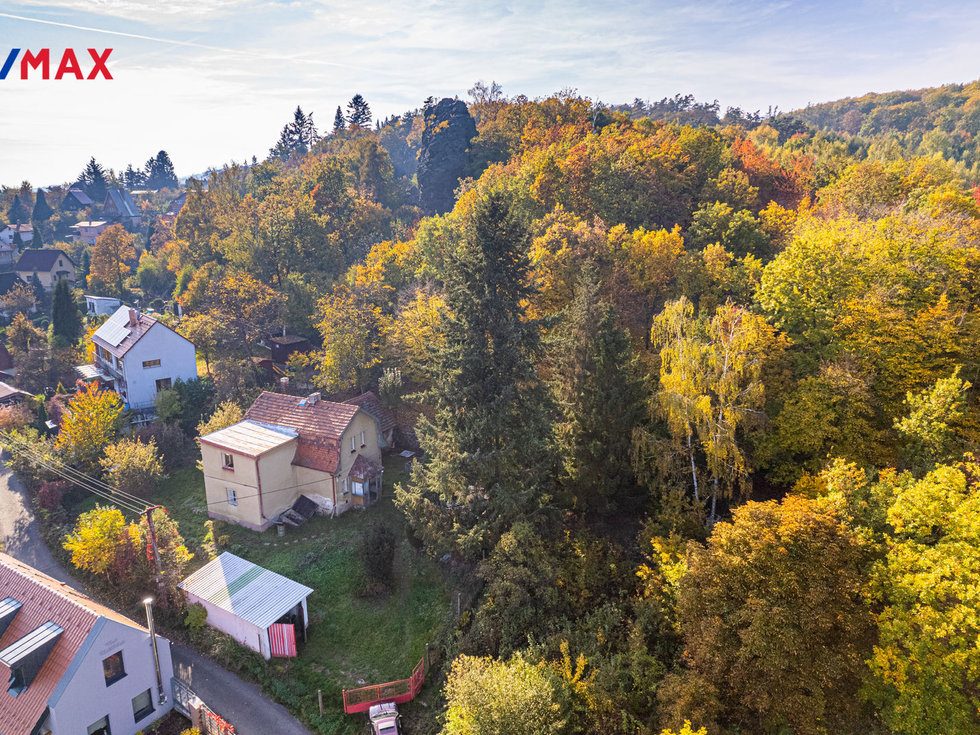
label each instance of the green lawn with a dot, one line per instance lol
(352, 639)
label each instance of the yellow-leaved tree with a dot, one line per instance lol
(96, 537)
(90, 424)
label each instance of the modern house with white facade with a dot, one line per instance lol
(73, 666)
(98, 305)
(138, 356)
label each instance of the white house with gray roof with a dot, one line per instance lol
(138, 356)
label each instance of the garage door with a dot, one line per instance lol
(282, 637)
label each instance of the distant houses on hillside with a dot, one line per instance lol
(50, 265)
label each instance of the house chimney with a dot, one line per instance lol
(148, 603)
(312, 399)
(132, 317)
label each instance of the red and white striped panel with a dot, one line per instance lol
(282, 638)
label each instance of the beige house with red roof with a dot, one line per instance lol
(287, 447)
(71, 665)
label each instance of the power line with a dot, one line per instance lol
(82, 476)
(78, 478)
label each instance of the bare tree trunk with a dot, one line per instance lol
(694, 472)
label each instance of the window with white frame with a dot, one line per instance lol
(362, 439)
(227, 461)
(232, 496)
(353, 445)
(151, 363)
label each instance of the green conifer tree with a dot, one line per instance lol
(601, 396)
(17, 213)
(42, 210)
(489, 454)
(66, 321)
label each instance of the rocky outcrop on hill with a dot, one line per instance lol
(444, 156)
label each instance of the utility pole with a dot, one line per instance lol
(153, 545)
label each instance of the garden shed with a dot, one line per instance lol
(257, 607)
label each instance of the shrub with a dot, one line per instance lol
(197, 616)
(378, 552)
(49, 495)
(171, 441)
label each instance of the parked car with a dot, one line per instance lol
(384, 719)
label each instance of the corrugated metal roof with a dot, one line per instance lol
(246, 590)
(250, 438)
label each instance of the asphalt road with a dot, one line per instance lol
(242, 704)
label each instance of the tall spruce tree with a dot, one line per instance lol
(42, 210)
(36, 241)
(66, 321)
(358, 112)
(338, 121)
(17, 213)
(160, 172)
(93, 179)
(489, 454)
(601, 395)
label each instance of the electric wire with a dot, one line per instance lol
(75, 477)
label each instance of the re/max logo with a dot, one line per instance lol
(69, 66)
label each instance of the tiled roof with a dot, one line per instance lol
(324, 419)
(320, 424)
(40, 260)
(247, 591)
(44, 599)
(117, 335)
(370, 403)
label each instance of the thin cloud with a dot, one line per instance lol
(191, 44)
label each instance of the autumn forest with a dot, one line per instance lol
(693, 390)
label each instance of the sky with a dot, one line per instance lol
(214, 81)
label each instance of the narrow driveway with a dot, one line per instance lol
(239, 702)
(242, 704)
(19, 533)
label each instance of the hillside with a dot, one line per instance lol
(936, 120)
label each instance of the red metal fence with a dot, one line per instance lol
(360, 700)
